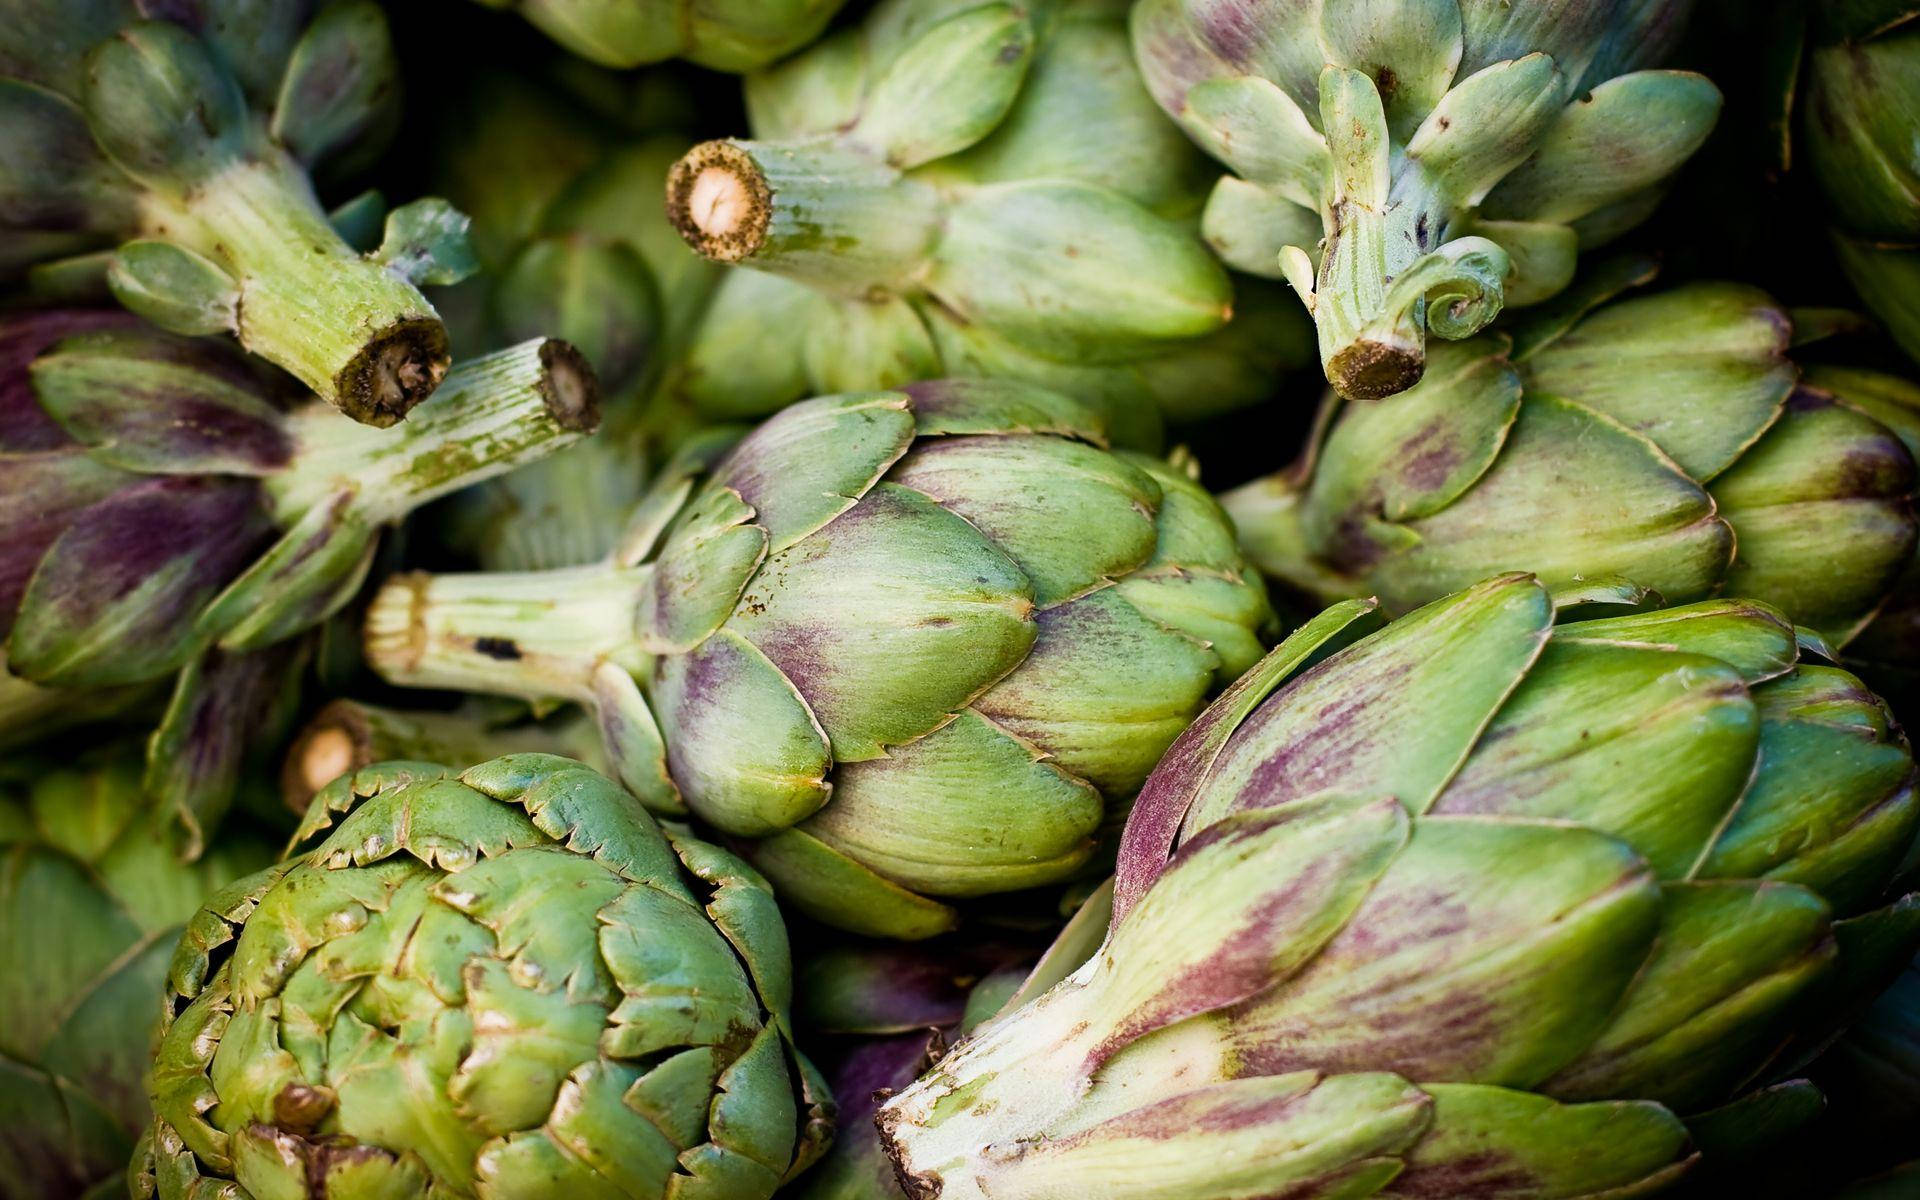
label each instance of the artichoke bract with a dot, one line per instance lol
(901, 645)
(92, 901)
(1860, 130)
(508, 981)
(1664, 443)
(182, 134)
(1411, 166)
(1473, 905)
(180, 514)
(964, 188)
(727, 35)
(565, 250)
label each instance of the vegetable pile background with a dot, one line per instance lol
(948, 599)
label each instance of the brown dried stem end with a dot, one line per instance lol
(1368, 370)
(397, 369)
(336, 741)
(569, 386)
(719, 201)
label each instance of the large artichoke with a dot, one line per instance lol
(177, 514)
(1412, 165)
(727, 35)
(91, 903)
(1473, 906)
(507, 982)
(1664, 442)
(965, 187)
(1860, 136)
(566, 250)
(903, 645)
(182, 133)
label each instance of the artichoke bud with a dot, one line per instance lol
(637, 1028)
(1720, 473)
(952, 169)
(731, 35)
(339, 98)
(598, 296)
(1595, 888)
(1412, 166)
(163, 108)
(843, 622)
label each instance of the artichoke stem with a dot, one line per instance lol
(817, 212)
(358, 334)
(534, 635)
(492, 414)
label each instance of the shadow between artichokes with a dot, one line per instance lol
(1476, 904)
(508, 981)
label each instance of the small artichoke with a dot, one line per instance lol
(902, 645)
(1476, 905)
(177, 514)
(727, 35)
(91, 904)
(1411, 166)
(182, 134)
(964, 187)
(1860, 138)
(1665, 443)
(506, 982)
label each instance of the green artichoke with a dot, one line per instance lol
(968, 188)
(1860, 130)
(91, 903)
(182, 134)
(1411, 166)
(1663, 443)
(902, 645)
(176, 514)
(1476, 905)
(727, 35)
(506, 982)
(566, 251)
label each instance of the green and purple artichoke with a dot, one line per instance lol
(727, 35)
(506, 982)
(1411, 167)
(178, 516)
(1663, 444)
(1475, 905)
(172, 142)
(969, 188)
(903, 647)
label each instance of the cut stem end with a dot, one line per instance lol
(719, 201)
(397, 369)
(1369, 370)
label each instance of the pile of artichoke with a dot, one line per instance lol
(959, 599)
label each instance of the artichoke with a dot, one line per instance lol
(727, 35)
(179, 514)
(1664, 442)
(180, 136)
(1476, 905)
(565, 250)
(1411, 166)
(902, 645)
(1860, 129)
(503, 982)
(960, 187)
(91, 903)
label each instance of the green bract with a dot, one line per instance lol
(1412, 165)
(502, 983)
(91, 903)
(1477, 905)
(727, 35)
(1664, 443)
(961, 187)
(572, 243)
(176, 517)
(1860, 133)
(182, 133)
(901, 644)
